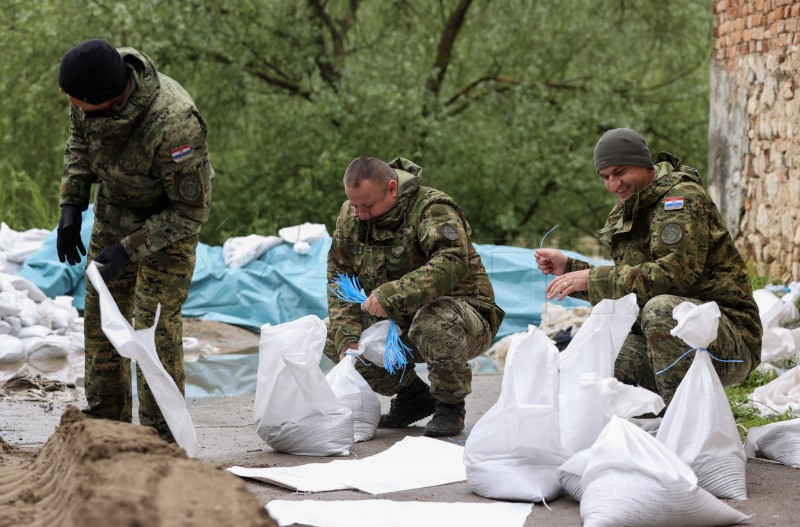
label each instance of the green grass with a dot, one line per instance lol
(745, 415)
(23, 204)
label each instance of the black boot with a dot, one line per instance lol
(447, 421)
(409, 406)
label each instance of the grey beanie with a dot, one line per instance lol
(622, 147)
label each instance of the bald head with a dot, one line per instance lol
(368, 169)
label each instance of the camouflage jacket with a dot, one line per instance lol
(417, 251)
(150, 161)
(671, 239)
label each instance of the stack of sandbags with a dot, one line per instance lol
(45, 333)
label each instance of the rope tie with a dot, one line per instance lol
(697, 349)
(395, 357)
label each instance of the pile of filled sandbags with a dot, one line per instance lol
(46, 334)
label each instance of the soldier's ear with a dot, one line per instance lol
(391, 187)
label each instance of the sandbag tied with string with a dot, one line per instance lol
(699, 426)
(348, 289)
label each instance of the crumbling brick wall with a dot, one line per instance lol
(754, 130)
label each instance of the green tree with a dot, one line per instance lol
(500, 101)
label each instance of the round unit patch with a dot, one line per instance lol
(189, 189)
(449, 232)
(672, 233)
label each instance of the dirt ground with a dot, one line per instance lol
(59, 469)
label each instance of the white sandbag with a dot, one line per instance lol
(18, 246)
(140, 345)
(57, 313)
(28, 310)
(50, 347)
(571, 472)
(5, 327)
(514, 450)
(295, 410)
(372, 343)
(776, 441)
(621, 399)
(8, 304)
(37, 331)
(305, 232)
(241, 250)
(22, 284)
(593, 349)
(699, 425)
(15, 324)
(777, 343)
(779, 395)
(630, 479)
(12, 350)
(353, 391)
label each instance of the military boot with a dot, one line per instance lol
(447, 421)
(409, 406)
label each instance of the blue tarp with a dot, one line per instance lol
(282, 285)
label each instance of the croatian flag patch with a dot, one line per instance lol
(673, 203)
(182, 153)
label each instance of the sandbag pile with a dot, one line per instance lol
(45, 333)
(16, 246)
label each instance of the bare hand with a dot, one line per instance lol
(374, 308)
(347, 347)
(550, 261)
(567, 284)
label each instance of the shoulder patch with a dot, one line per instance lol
(672, 233)
(673, 203)
(182, 153)
(190, 188)
(449, 232)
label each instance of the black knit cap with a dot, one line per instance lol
(622, 147)
(93, 72)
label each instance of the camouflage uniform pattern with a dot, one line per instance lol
(419, 261)
(665, 256)
(154, 205)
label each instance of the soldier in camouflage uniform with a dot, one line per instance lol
(410, 248)
(669, 244)
(137, 134)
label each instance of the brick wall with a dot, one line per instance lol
(754, 131)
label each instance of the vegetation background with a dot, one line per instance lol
(501, 101)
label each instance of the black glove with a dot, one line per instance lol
(110, 261)
(69, 242)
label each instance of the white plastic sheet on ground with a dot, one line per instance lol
(412, 463)
(593, 349)
(295, 410)
(776, 441)
(385, 513)
(630, 479)
(513, 451)
(140, 345)
(699, 425)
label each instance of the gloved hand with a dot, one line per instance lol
(110, 261)
(69, 242)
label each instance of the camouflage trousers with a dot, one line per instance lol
(160, 278)
(650, 348)
(444, 334)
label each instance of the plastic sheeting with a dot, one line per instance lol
(282, 285)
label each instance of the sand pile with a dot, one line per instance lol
(95, 472)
